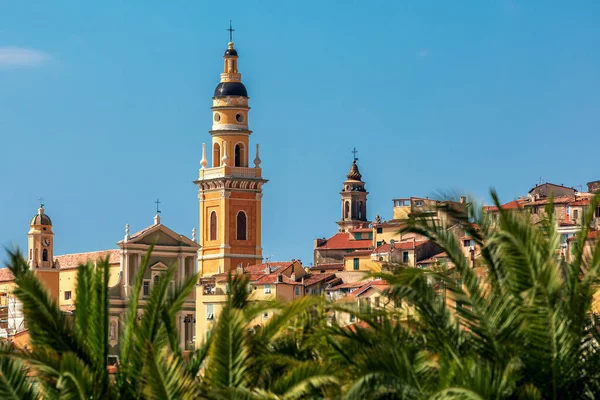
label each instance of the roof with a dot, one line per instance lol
(68, 261)
(555, 200)
(325, 267)
(592, 235)
(433, 259)
(511, 205)
(343, 240)
(359, 253)
(551, 184)
(582, 202)
(404, 245)
(354, 173)
(348, 285)
(225, 89)
(314, 279)
(378, 284)
(273, 266)
(6, 275)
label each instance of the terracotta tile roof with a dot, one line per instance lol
(6, 275)
(557, 200)
(378, 284)
(67, 308)
(511, 205)
(349, 285)
(592, 235)
(350, 298)
(343, 240)
(405, 245)
(581, 202)
(273, 266)
(68, 261)
(313, 279)
(433, 259)
(566, 223)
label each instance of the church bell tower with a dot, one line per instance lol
(40, 246)
(229, 189)
(354, 200)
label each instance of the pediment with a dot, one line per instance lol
(159, 266)
(160, 235)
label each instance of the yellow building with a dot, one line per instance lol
(229, 191)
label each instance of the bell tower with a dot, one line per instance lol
(40, 251)
(354, 199)
(229, 189)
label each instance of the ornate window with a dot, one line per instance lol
(241, 224)
(216, 155)
(44, 255)
(213, 226)
(239, 155)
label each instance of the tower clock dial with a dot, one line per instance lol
(46, 242)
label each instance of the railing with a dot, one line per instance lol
(227, 171)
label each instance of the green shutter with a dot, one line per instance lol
(356, 263)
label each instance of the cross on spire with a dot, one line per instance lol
(231, 30)
(41, 199)
(157, 204)
(354, 151)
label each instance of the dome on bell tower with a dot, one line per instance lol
(354, 173)
(41, 218)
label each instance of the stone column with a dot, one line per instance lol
(125, 270)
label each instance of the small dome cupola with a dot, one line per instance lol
(354, 173)
(41, 218)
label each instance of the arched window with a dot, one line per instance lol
(239, 155)
(241, 226)
(347, 210)
(360, 210)
(44, 255)
(216, 155)
(213, 226)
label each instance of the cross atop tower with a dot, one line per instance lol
(231, 30)
(41, 199)
(354, 151)
(157, 204)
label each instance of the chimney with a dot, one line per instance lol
(463, 199)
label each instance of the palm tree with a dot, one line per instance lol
(518, 325)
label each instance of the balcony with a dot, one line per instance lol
(229, 172)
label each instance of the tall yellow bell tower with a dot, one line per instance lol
(40, 244)
(229, 190)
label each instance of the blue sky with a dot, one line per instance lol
(104, 107)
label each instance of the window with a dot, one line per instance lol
(210, 312)
(44, 255)
(31, 254)
(352, 318)
(575, 214)
(379, 230)
(156, 279)
(347, 210)
(146, 288)
(467, 243)
(216, 155)
(297, 290)
(405, 257)
(68, 295)
(419, 203)
(356, 263)
(378, 243)
(241, 226)
(377, 302)
(267, 289)
(360, 209)
(213, 226)
(239, 155)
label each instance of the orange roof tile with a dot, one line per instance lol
(313, 279)
(273, 266)
(6, 275)
(343, 240)
(433, 259)
(348, 285)
(361, 230)
(379, 284)
(68, 261)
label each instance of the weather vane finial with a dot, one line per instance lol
(354, 151)
(157, 204)
(231, 30)
(41, 199)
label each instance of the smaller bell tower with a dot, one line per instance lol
(40, 254)
(354, 199)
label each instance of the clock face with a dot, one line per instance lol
(46, 242)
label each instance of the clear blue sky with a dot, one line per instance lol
(104, 107)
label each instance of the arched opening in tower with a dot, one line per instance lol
(241, 226)
(239, 155)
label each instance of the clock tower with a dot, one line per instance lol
(40, 255)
